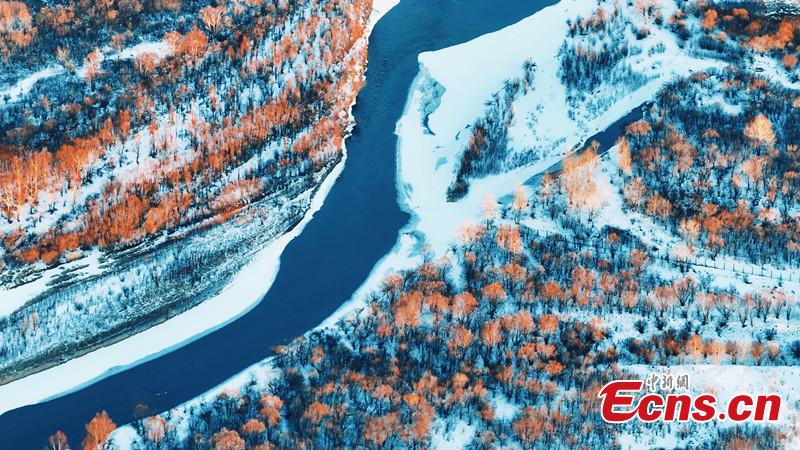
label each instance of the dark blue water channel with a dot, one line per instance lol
(321, 268)
(606, 138)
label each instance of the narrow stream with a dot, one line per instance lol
(606, 138)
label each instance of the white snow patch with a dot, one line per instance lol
(456, 439)
(504, 409)
(470, 73)
(21, 88)
(15, 298)
(379, 9)
(159, 49)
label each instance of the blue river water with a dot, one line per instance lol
(321, 268)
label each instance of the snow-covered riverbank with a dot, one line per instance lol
(468, 74)
(236, 299)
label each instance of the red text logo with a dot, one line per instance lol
(621, 402)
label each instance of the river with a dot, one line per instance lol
(322, 267)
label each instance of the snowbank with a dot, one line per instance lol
(379, 9)
(158, 49)
(13, 299)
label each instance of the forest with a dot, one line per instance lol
(507, 341)
(487, 150)
(715, 158)
(185, 121)
(142, 142)
(740, 32)
(594, 58)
